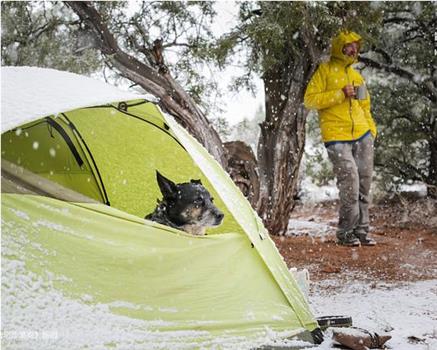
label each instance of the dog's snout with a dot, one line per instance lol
(219, 217)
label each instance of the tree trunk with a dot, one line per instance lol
(282, 142)
(242, 166)
(432, 172)
(154, 78)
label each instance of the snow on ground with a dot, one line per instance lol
(298, 227)
(419, 188)
(312, 193)
(407, 312)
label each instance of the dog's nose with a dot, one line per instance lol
(219, 218)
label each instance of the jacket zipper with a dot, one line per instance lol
(350, 104)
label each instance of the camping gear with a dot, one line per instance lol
(334, 321)
(79, 159)
(359, 339)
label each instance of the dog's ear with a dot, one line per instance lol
(168, 188)
(196, 182)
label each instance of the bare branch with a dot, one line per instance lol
(387, 57)
(397, 20)
(49, 26)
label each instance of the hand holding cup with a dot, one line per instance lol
(349, 91)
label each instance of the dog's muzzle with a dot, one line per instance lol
(219, 218)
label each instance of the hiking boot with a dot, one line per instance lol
(365, 240)
(347, 239)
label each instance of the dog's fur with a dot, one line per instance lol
(185, 206)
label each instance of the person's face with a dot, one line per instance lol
(351, 49)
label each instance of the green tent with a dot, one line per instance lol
(79, 159)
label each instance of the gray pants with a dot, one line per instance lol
(353, 168)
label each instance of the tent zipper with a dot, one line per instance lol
(98, 177)
(67, 140)
(350, 104)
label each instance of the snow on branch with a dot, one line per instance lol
(423, 83)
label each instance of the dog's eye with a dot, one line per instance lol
(199, 202)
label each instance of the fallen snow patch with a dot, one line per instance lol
(418, 188)
(298, 227)
(311, 193)
(20, 213)
(406, 312)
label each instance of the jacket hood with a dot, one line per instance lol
(343, 38)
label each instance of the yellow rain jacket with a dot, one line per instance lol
(341, 118)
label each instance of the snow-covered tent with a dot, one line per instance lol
(81, 267)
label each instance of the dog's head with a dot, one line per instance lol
(189, 204)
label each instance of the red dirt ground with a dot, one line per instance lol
(406, 249)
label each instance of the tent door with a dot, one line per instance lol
(95, 169)
(48, 148)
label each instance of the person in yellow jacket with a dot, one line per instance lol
(337, 91)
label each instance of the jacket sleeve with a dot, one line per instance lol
(316, 96)
(365, 105)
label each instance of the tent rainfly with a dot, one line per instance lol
(82, 267)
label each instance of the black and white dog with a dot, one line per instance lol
(185, 206)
